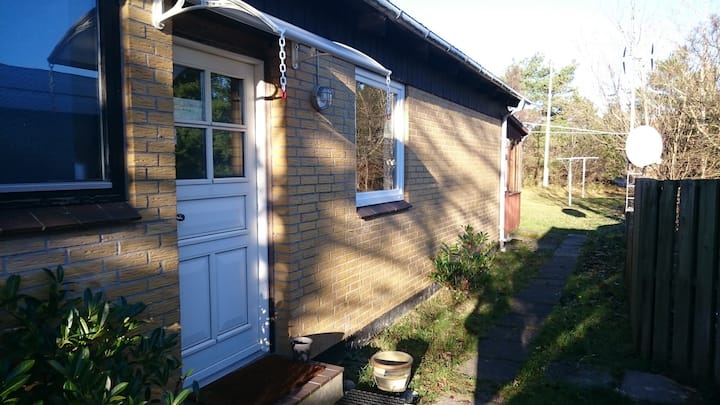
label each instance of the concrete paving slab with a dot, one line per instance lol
(547, 283)
(495, 370)
(571, 246)
(524, 307)
(503, 349)
(582, 375)
(522, 334)
(558, 268)
(541, 294)
(519, 320)
(500, 355)
(656, 388)
(503, 332)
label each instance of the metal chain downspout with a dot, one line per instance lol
(283, 67)
(388, 100)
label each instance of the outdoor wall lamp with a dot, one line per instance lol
(321, 97)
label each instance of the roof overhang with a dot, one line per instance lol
(400, 17)
(244, 13)
(516, 130)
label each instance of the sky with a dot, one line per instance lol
(591, 33)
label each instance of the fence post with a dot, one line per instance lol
(647, 192)
(629, 265)
(707, 262)
(683, 282)
(663, 273)
(633, 270)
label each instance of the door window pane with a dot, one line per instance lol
(190, 160)
(228, 153)
(227, 99)
(187, 93)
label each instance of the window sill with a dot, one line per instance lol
(373, 211)
(44, 219)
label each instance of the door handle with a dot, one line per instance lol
(180, 217)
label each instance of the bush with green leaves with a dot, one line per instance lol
(463, 265)
(66, 349)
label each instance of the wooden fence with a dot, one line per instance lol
(673, 274)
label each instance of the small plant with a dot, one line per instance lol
(81, 350)
(463, 265)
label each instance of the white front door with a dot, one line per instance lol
(223, 283)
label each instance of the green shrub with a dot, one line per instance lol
(64, 349)
(463, 265)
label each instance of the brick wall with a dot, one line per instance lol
(136, 260)
(332, 271)
(335, 273)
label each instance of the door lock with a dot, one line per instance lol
(180, 217)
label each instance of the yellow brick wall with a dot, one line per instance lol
(334, 272)
(136, 260)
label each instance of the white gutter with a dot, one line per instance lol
(404, 19)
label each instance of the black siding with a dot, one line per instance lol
(412, 60)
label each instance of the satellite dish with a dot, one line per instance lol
(643, 146)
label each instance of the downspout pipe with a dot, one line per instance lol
(502, 238)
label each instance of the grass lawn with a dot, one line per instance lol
(545, 210)
(589, 326)
(443, 331)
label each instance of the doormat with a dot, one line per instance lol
(358, 397)
(265, 381)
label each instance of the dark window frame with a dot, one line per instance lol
(111, 121)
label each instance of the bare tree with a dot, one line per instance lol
(684, 103)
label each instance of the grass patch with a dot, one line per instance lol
(443, 332)
(546, 209)
(590, 326)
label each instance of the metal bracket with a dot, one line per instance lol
(297, 60)
(159, 16)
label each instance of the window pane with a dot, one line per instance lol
(375, 141)
(190, 159)
(51, 128)
(227, 98)
(228, 154)
(187, 93)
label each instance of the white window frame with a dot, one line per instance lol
(399, 126)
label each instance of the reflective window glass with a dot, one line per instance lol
(375, 140)
(227, 99)
(190, 158)
(228, 153)
(49, 96)
(187, 93)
